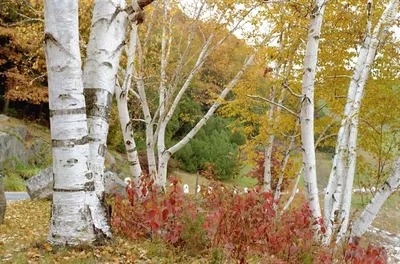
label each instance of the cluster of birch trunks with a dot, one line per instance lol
(80, 105)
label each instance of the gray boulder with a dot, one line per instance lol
(40, 186)
(113, 184)
(4, 118)
(16, 143)
(12, 143)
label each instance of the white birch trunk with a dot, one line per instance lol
(270, 145)
(150, 144)
(75, 208)
(103, 54)
(284, 163)
(267, 163)
(385, 19)
(163, 157)
(307, 108)
(347, 136)
(343, 130)
(166, 154)
(335, 188)
(372, 209)
(122, 102)
(294, 190)
(161, 180)
(161, 177)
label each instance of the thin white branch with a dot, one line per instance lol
(257, 97)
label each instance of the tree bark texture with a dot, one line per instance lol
(307, 108)
(75, 210)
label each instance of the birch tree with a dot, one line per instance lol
(307, 108)
(103, 53)
(173, 87)
(106, 42)
(339, 190)
(121, 93)
(75, 204)
(166, 154)
(78, 212)
(372, 209)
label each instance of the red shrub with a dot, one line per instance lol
(355, 254)
(258, 172)
(242, 225)
(146, 212)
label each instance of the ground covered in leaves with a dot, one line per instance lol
(23, 240)
(222, 225)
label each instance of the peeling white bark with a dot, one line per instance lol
(163, 157)
(294, 190)
(267, 163)
(75, 207)
(372, 209)
(270, 143)
(121, 94)
(284, 164)
(385, 20)
(99, 76)
(335, 188)
(307, 108)
(150, 144)
(339, 190)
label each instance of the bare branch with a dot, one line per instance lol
(256, 97)
(286, 86)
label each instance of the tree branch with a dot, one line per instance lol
(274, 103)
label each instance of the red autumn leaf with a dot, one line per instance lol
(165, 213)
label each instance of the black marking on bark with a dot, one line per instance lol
(120, 46)
(369, 7)
(102, 150)
(65, 96)
(89, 175)
(69, 143)
(305, 99)
(71, 161)
(106, 63)
(92, 139)
(100, 20)
(49, 37)
(89, 186)
(101, 237)
(133, 163)
(94, 110)
(131, 150)
(128, 124)
(68, 190)
(117, 11)
(100, 111)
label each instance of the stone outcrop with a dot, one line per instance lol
(40, 186)
(14, 143)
